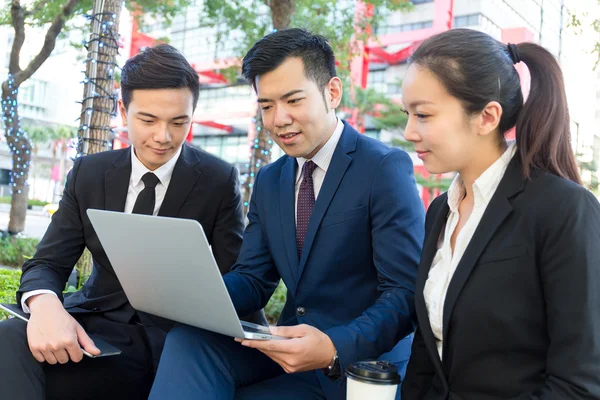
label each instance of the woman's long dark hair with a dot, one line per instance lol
(476, 69)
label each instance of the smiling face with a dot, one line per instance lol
(157, 121)
(299, 115)
(445, 137)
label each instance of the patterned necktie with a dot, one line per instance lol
(145, 202)
(306, 203)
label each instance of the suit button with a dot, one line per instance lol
(300, 311)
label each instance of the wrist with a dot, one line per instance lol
(333, 369)
(330, 353)
(334, 358)
(40, 300)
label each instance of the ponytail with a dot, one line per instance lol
(543, 125)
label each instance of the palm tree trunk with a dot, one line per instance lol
(99, 102)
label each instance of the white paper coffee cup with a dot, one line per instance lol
(372, 380)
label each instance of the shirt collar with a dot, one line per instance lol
(163, 173)
(325, 154)
(485, 186)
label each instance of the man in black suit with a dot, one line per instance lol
(158, 175)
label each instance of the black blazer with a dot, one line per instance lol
(522, 312)
(202, 187)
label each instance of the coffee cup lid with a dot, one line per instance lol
(376, 372)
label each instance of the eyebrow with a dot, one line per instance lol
(285, 96)
(418, 103)
(145, 114)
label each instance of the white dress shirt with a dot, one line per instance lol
(163, 173)
(322, 159)
(445, 260)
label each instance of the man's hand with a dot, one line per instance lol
(55, 336)
(307, 350)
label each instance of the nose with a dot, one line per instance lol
(282, 117)
(162, 134)
(410, 132)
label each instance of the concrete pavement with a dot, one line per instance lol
(36, 222)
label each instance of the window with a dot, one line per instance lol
(467, 20)
(385, 29)
(376, 81)
(231, 148)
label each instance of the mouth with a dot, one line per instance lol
(288, 138)
(421, 153)
(159, 151)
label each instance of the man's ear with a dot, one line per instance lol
(334, 92)
(123, 112)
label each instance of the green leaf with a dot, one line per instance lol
(70, 289)
(276, 303)
(9, 284)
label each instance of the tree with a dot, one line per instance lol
(589, 172)
(51, 16)
(582, 21)
(386, 113)
(40, 13)
(99, 97)
(337, 20)
(58, 136)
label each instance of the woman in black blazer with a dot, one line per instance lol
(508, 292)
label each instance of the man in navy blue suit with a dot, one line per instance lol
(338, 218)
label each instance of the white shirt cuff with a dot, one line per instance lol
(27, 295)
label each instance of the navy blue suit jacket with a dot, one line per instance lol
(356, 277)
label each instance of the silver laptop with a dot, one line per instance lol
(166, 268)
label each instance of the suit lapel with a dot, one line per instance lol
(116, 183)
(287, 200)
(185, 175)
(337, 168)
(429, 250)
(496, 212)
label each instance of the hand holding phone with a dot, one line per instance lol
(99, 347)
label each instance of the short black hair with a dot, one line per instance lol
(159, 67)
(272, 50)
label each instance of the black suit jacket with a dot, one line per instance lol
(522, 312)
(202, 187)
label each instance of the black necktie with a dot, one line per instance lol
(144, 204)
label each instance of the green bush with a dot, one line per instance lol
(9, 283)
(14, 251)
(7, 200)
(276, 303)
